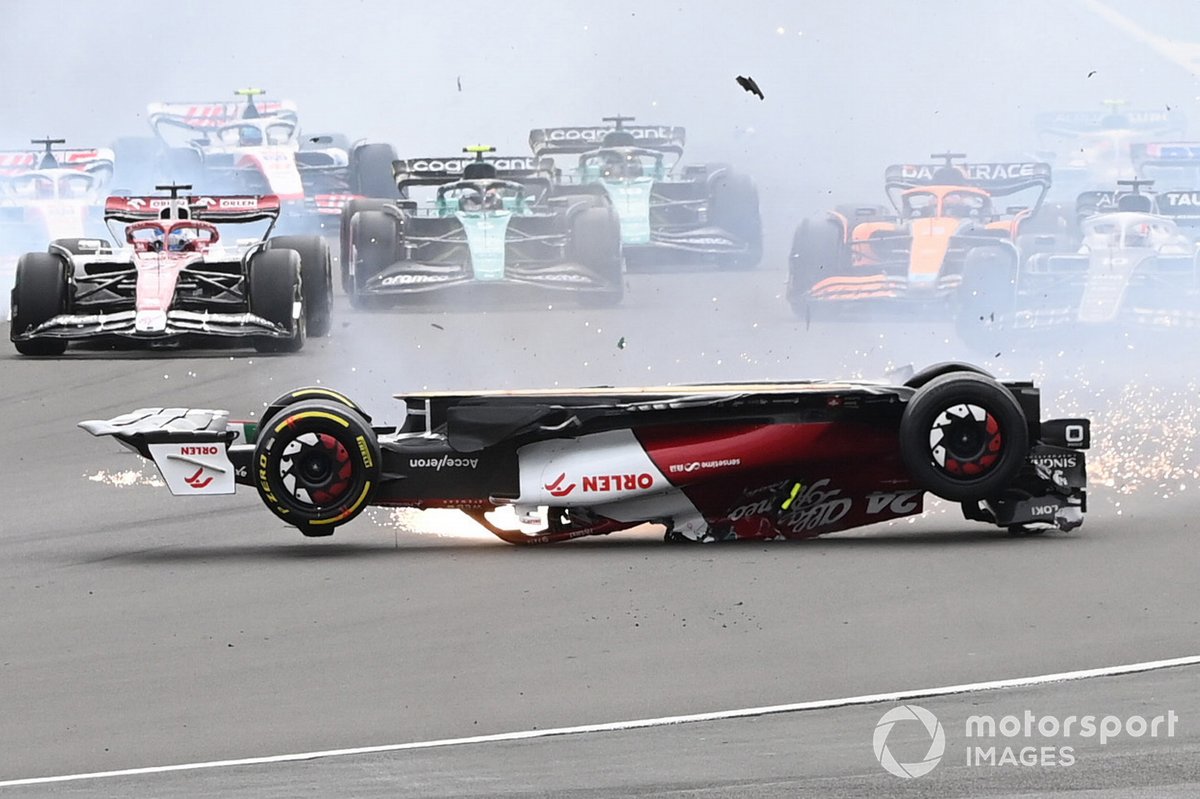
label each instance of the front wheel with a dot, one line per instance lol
(39, 294)
(316, 280)
(596, 244)
(963, 437)
(317, 464)
(734, 208)
(274, 278)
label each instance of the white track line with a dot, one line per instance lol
(618, 726)
(1183, 54)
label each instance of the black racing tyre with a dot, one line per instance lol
(371, 171)
(81, 246)
(308, 393)
(987, 298)
(596, 243)
(275, 287)
(733, 207)
(963, 437)
(40, 293)
(316, 279)
(818, 251)
(316, 465)
(348, 211)
(374, 246)
(944, 368)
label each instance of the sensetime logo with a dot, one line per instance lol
(1027, 740)
(937, 741)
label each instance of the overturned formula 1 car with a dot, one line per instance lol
(710, 462)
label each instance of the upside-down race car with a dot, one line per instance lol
(51, 194)
(179, 276)
(945, 224)
(710, 462)
(257, 148)
(698, 212)
(491, 221)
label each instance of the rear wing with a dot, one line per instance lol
(1074, 123)
(1183, 206)
(438, 171)
(568, 141)
(248, 208)
(215, 113)
(1090, 203)
(1183, 154)
(13, 162)
(998, 179)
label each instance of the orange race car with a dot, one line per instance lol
(944, 221)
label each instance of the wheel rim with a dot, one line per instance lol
(315, 469)
(965, 440)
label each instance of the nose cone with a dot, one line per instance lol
(153, 321)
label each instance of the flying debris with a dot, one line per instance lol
(749, 85)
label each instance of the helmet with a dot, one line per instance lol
(249, 136)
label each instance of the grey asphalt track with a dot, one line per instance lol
(144, 630)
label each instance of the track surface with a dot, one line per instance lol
(145, 630)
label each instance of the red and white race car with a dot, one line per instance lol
(180, 275)
(256, 147)
(51, 194)
(709, 462)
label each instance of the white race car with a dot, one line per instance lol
(256, 147)
(51, 194)
(180, 276)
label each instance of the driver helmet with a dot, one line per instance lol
(249, 136)
(493, 200)
(471, 201)
(180, 239)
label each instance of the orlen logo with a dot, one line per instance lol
(237, 202)
(618, 482)
(189, 450)
(557, 489)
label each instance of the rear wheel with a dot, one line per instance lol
(596, 243)
(316, 279)
(318, 463)
(40, 293)
(371, 171)
(818, 252)
(733, 207)
(963, 437)
(308, 393)
(938, 369)
(275, 289)
(373, 247)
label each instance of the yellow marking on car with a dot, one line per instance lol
(308, 415)
(326, 392)
(796, 489)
